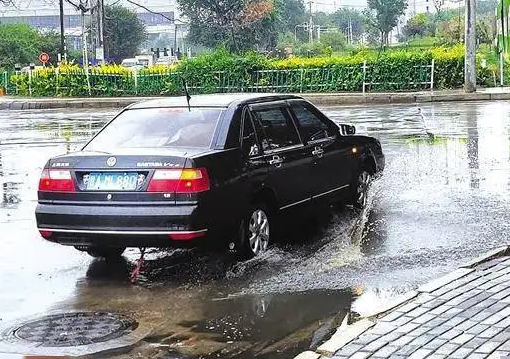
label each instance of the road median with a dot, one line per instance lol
(321, 99)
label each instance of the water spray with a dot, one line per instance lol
(424, 123)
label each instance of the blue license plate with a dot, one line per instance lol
(104, 181)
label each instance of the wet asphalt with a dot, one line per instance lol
(443, 199)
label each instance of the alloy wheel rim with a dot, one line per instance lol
(259, 231)
(362, 190)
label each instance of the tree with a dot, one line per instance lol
(335, 40)
(124, 32)
(438, 5)
(383, 15)
(419, 25)
(345, 18)
(22, 44)
(241, 25)
(291, 13)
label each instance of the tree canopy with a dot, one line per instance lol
(124, 32)
(241, 25)
(383, 15)
(22, 44)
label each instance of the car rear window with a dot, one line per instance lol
(159, 127)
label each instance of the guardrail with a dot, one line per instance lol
(363, 78)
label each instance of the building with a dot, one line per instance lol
(429, 6)
(44, 15)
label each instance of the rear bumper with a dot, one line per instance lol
(126, 226)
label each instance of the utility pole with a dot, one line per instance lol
(310, 24)
(470, 56)
(62, 34)
(350, 31)
(100, 30)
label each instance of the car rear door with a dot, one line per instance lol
(288, 159)
(332, 160)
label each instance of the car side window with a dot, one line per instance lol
(277, 126)
(249, 139)
(312, 127)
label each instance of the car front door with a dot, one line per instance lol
(289, 161)
(332, 160)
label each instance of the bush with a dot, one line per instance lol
(221, 71)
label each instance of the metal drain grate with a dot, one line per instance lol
(74, 329)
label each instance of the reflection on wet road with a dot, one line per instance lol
(443, 199)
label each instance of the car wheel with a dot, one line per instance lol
(360, 189)
(105, 252)
(255, 231)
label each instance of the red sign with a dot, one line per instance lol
(44, 57)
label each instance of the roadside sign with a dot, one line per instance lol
(100, 53)
(44, 57)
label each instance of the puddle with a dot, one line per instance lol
(441, 201)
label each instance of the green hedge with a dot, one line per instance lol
(220, 71)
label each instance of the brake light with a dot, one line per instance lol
(188, 180)
(186, 236)
(46, 234)
(56, 181)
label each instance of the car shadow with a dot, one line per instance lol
(300, 236)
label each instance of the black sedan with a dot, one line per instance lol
(219, 169)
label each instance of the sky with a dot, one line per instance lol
(332, 5)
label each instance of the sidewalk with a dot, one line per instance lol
(465, 314)
(324, 99)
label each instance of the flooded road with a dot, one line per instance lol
(443, 199)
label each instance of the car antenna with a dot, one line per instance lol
(188, 96)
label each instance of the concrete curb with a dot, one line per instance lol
(346, 333)
(324, 99)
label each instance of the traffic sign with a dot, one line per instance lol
(44, 57)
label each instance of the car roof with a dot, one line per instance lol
(214, 100)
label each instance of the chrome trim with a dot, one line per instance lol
(295, 203)
(331, 191)
(121, 232)
(283, 149)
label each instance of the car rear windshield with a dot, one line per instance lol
(158, 127)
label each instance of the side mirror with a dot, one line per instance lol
(347, 130)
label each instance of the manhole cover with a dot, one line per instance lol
(74, 329)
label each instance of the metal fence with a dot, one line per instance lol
(363, 78)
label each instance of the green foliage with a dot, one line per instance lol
(383, 15)
(345, 18)
(418, 26)
(222, 71)
(239, 25)
(124, 32)
(334, 40)
(22, 44)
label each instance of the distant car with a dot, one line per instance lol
(221, 171)
(167, 60)
(132, 64)
(26, 69)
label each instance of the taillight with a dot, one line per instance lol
(46, 234)
(56, 181)
(186, 236)
(188, 180)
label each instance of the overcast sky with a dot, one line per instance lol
(332, 5)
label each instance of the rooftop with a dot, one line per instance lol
(214, 100)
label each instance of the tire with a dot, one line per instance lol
(359, 188)
(255, 231)
(105, 252)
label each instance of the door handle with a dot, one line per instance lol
(276, 161)
(318, 152)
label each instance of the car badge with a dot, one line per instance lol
(110, 162)
(109, 197)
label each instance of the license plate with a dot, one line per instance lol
(97, 181)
